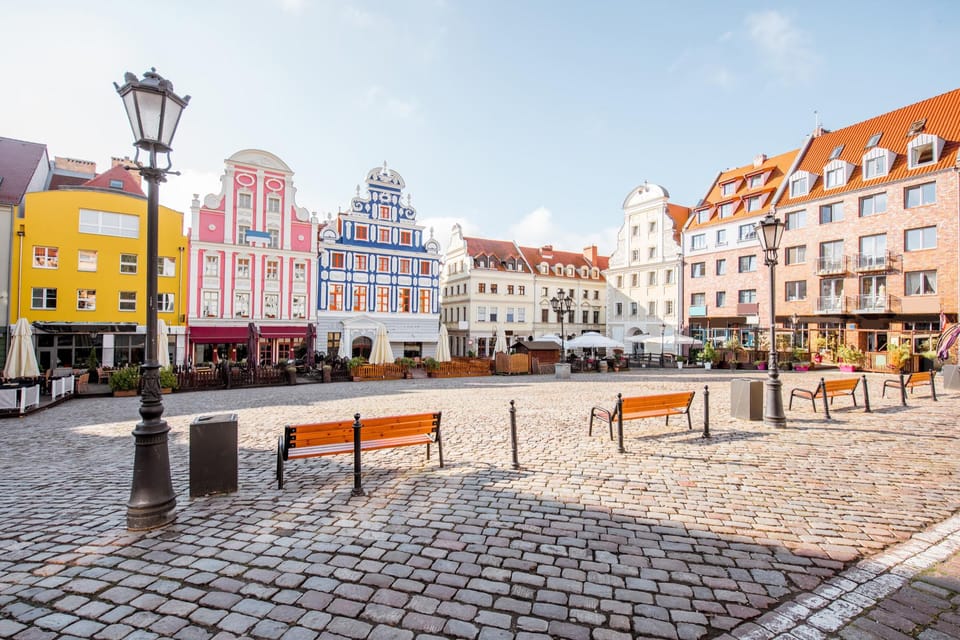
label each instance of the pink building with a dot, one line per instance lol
(252, 270)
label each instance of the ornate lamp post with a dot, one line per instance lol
(562, 304)
(663, 341)
(154, 112)
(769, 233)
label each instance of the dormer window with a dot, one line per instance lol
(116, 184)
(703, 216)
(558, 270)
(874, 140)
(836, 174)
(584, 272)
(544, 269)
(753, 203)
(800, 184)
(728, 188)
(595, 273)
(837, 150)
(753, 182)
(726, 209)
(570, 272)
(923, 150)
(877, 163)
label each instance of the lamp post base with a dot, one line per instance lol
(773, 415)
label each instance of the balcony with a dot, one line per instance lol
(748, 308)
(697, 311)
(832, 304)
(873, 304)
(867, 262)
(831, 266)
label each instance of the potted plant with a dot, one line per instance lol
(290, 367)
(432, 365)
(850, 358)
(707, 355)
(899, 354)
(761, 365)
(124, 382)
(168, 380)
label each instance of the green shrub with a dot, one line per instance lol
(125, 379)
(168, 379)
(708, 353)
(431, 364)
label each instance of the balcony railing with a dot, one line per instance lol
(866, 262)
(832, 304)
(748, 308)
(873, 304)
(831, 266)
(697, 311)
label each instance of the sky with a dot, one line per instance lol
(526, 120)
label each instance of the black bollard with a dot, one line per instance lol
(513, 436)
(357, 489)
(706, 411)
(822, 387)
(903, 391)
(620, 448)
(866, 396)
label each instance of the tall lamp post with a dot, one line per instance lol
(663, 341)
(154, 111)
(769, 233)
(562, 304)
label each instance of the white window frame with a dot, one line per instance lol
(873, 200)
(46, 257)
(921, 235)
(273, 204)
(698, 241)
(166, 266)
(921, 143)
(47, 302)
(244, 200)
(800, 183)
(272, 270)
(924, 275)
(86, 299)
(126, 263)
(299, 271)
(796, 219)
(210, 304)
(211, 266)
(298, 308)
(922, 190)
(130, 301)
(108, 223)
(271, 305)
(86, 260)
(243, 268)
(241, 304)
(166, 302)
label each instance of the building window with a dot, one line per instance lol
(920, 239)
(747, 296)
(703, 216)
(335, 297)
(721, 266)
(242, 233)
(831, 213)
(46, 257)
(698, 269)
(796, 255)
(360, 262)
(383, 264)
(86, 299)
(299, 272)
(753, 203)
(721, 237)
(299, 307)
(796, 220)
(128, 262)
(521, 290)
(921, 151)
(617, 309)
(43, 298)
(359, 297)
(116, 184)
(274, 238)
(104, 223)
(668, 276)
(165, 302)
(698, 241)
(383, 299)
(875, 167)
(384, 234)
(481, 287)
(651, 278)
(726, 209)
(834, 178)
(920, 283)
(210, 301)
(86, 260)
(404, 299)
(721, 298)
(271, 305)
(668, 307)
(652, 227)
(273, 270)
(405, 265)
(337, 260)
(384, 212)
(652, 308)
(241, 305)
(872, 205)
(128, 301)
(728, 188)
(747, 232)
(510, 289)
(211, 266)
(651, 253)
(166, 267)
(510, 315)
(634, 309)
(244, 201)
(698, 299)
(406, 238)
(920, 195)
(796, 290)
(747, 264)
(493, 287)
(361, 232)
(634, 279)
(799, 185)
(426, 298)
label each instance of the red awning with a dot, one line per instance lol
(218, 335)
(273, 331)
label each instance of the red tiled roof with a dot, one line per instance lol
(501, 249)
(18, 164)
(775, 169)
(102, 181)
(941, 114)
(58, 180)
(679, 215)
(537, 255)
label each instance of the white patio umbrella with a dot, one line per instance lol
(443, 345)
(501, 346)
(21, 357)
(163, 355)
(381, 353)
(593, 340)
(666, 342)
(345, 351)
(552, 337)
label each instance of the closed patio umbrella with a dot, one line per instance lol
(381, 353)
(21, 358)
(443, 346)
(501, 346)
(163, 354)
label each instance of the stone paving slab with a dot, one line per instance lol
(796, 531)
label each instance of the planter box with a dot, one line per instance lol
(125, 393)
(801, 367)
(847, 368)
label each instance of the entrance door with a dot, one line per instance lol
(873, 294)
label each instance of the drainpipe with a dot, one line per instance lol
(20, 234)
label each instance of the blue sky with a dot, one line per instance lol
(527, 120)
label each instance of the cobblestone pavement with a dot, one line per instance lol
(841, 528)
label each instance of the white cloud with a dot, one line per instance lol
(177, 192)
(294, 7)
(442, 227)
(379, 99)
(785, 48)
(358, 17)
(538, 228)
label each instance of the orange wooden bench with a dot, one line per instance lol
(355, 436)
(638, 407)
(829, 388)
(911, 382)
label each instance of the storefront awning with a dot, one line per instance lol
(273, 331)
(218, 335)
(85, 327)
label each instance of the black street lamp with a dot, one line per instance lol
(663, 341)
(154, 112)
(769, 233)
(562, 304)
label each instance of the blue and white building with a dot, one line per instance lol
(377, 267)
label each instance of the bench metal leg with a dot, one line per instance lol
(280, 462)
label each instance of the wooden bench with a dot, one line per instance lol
(831, 389)
(354, 436)
(639, 407)
(911, 382)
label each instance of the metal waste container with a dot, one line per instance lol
(746, 399)
(213, 454)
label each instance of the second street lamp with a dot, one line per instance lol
(154, 112)
(769, 233)
(562, 304)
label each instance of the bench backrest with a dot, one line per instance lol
(679, 400)
(840, 384)
(919, 378)
(341, 431)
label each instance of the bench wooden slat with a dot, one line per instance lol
(639, 407)
(829, 389)
(365, 445)
(911, 382)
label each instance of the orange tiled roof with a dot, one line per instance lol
(537, 255)
(679, 215)
(942, 114)
(774, 171)
(501, 249)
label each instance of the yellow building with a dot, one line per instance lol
(77, 273)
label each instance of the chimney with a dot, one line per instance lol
(125, 161)
(759, 159)
(590, 253)
(79, 166)
(546, 251)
